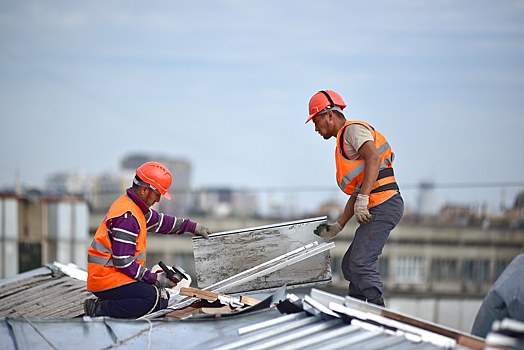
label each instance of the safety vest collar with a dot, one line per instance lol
(132, 195)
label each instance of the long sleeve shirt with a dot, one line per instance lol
(125, 230)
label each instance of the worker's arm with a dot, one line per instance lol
(167, 224)
(348, 212)
(357, 203)
(368, 152)
(124, 231)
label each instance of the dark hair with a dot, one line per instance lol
(136, 186)
(339, 114)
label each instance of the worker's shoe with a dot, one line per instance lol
(92, 307)
(377, 301)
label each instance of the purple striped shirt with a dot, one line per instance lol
(124, 231)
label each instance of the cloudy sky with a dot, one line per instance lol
(226, 85)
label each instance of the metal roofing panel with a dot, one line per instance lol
(262, 329)
(104, 333)
(241, 250)
(332, 322)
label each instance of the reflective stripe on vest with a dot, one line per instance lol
(102, 274)
(107, 261)
(350, 173)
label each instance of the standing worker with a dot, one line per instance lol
(364, 163)
(116, 258)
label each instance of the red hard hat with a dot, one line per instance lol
(322, 100)
(156, 175)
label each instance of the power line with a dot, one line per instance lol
(289, 189)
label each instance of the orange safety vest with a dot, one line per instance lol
(102, 274)
(350, 173)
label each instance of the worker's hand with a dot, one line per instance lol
(361, 209)
(162, 281)
(328, 231)
(202, 231)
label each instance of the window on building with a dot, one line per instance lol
(483, 270)
(444, 270)
(476, 270)
(29, 256)
(500, 266)
(410, 269)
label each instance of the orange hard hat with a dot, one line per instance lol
(156, 175)
(323, 101)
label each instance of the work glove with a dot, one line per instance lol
(202, 231)
(162, 281)
(328, 231)
(361, 209)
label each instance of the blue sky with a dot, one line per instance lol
(226, 84)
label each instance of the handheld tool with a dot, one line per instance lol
(176, 274)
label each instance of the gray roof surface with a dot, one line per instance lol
(39, 310)
(298, 332)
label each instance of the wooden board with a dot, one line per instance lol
(203, 294)
(229, 253)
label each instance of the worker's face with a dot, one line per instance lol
(322, 126)
(149, 196)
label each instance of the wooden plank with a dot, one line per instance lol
(197, 293)
(229, 253)
(203, 294)
(462, 339)
(248, 301)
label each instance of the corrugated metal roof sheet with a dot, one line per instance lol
(35, 305)
(296, 332)
(44, 292)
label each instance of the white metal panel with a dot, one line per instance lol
(229, 253)
(64, 221)
(81, 234)
(11, 218)
(53, 220)
(81, 221)
(80, 254)
(1, 221)
(10, 237)
(2, 261)
(63, 251)
(2, 255)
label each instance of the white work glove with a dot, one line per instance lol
(361, 209)
(328, 231)
(202, 231)
(162, 281)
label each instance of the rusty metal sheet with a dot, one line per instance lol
(226, 254)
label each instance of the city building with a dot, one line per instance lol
(109, 187)
(37, 230)
(223, 202)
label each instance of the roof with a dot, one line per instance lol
(44, 292)
(40, 310)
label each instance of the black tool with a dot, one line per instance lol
(176, 275)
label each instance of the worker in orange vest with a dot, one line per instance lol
(117, 275)
(364, 162)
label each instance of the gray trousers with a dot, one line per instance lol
(359, 264)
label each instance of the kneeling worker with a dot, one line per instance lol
(117, 255)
